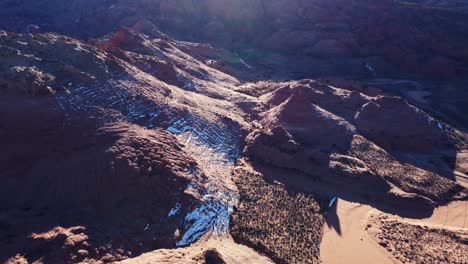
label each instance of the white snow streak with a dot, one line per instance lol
(174, 211)
(245, 64)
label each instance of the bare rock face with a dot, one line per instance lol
(123, 154)
(341, 102)
(309, 123)
(118, 176)
(299, 135)
(278, 148)
(394, 124)
(349, 167)
(106, 156)
(66, 242)
(135, 48)
(27, 81)
(125, 140)
(322, 29)
(148, 28)
(77, 166)
(314, 139)
(42, 64)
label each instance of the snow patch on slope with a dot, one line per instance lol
(215, 148)
(202, 219)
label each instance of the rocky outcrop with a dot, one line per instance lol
(117, 177)
(27, 81)
(42, 64)
(300, 132)
(395, 125)
(279, 148)
(126, 142)
(305, 154)
(341, 102)
(308, 122)
(91, 154)
(320, 29)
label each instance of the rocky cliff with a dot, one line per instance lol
(392, 37)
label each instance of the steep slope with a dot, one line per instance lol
(116, 178)
(123, 143)
(308, 122)
(341, 36)
(316, 127)
(67, 114)
(303, 152)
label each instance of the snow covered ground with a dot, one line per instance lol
(215, 147)
(215, 152)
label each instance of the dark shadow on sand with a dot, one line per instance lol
(331, 218)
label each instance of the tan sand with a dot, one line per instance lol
(455, 214)
(461, 168)
(354, 244)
